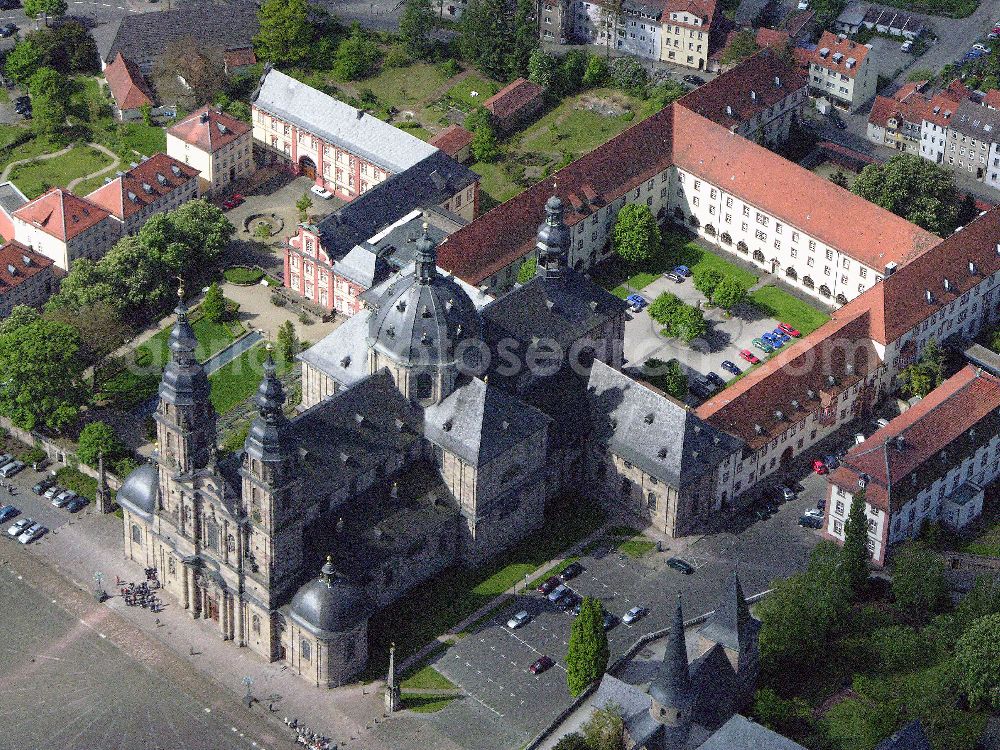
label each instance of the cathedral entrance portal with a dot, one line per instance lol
(213, 608)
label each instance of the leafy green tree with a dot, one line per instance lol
(97, 438)
(785, 716)
(285, 31)
(918, 581)
(628, 75)
(303, 205)
(743, 45)
(730, 293)
(914, 188)
(605, 729)
(978, 657)
(663, 308)
(675, 380)
(524, 38)
(854, 554)
(543, 69)
(485, 147)
(22, 61)
(42, 374)
(485, 36)
(571, 71)
(572, 741)
(48, 101)
(596, 73)
(528, 270)
(288, 342)
(357, 56)
(927, 373)
(100, 327)
(636, 235)
(688, 324)
(478, 117)
(706, 280)
(839, 178)
(982, 600)
(416, 26)
(898, 648)
(51, 8)
(665, 94)
(588, 654)
(213, 306)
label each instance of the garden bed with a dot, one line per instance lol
(243, 275)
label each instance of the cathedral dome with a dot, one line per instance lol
(422, 316)
(138, 491)
(330, 604)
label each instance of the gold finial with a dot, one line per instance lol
(425, 227)
(180, 287)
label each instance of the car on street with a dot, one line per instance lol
(43, 485)
(838, 122)
(677, 279)
(819, 467)
(7, 30)
(548, 584)
(609, 621)
(813, 513)
(232, 201)
(77, 504)
(787, 493)
(11, 469)
(636, 302)
(810, 522)
(558, 591)
(321, 192)
(31, 533)
(571, 571)
(831, 461)
(541, 664)
(749, 356)
(7, 512)
(682, 271)
(763, 346)
(633, 615)
(19, 526)
(521, 618)
(789, 331)
(63, 498)
(693, 80)
(682, 565)
(52, 491)
(730, 366)
(715, 379)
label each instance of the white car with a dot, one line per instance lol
(19, 526)
(803, 4)
(980, 47)
(788, 493)
(521, 618)
(52, 491)
(632, 615)
(558, 591)
(906, 46)
(11, 469)
(321, 191)
(31, 533)
(813, 513)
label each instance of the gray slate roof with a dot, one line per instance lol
(982, 123)
(910, 737)
(478, 422)
(634, 705)
(371, 262)
(656, 433)
(713, 688)
(139, 490)
(372, 139)
(731, 624)
(330, 605)
(343, 353)
(739, 733)
(672, 684)
(11, 198)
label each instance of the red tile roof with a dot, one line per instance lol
(944, 416)
(452, 139)
(992, 99)
(772, 38)
(837, 46)
(61, 214)
(209, 129)
(151, 180)
(704, 9)
(513, 99)
(913, 108)
(14, 254)
(128, 87)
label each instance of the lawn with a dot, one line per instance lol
(637, 547)
(495, 186)
(425, 704)
(988, 541)
(146, 139)
(780, 305)
(405, 88)
(81, 484)
(438, 605)
(461, 94)
(88, 186)
(36, 177)
(572, 129)
(235, 382)
(426, 678)
(212, 338)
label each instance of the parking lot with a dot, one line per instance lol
(33, 506)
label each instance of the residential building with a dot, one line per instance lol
(893, 22)
(929, 464)
(455, 141)
(851, 19)
(897, 121)
(26, 277)
(157, 184)
(556, 20)
(937, 117)
(128, 88)
(973, 135)
(219, 146)
(515, 105)
(687, 28)
(843, 71)
(11, 199)
(64, 228)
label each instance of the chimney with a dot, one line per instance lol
(361, 113)
(203, 118)
(729, 111)
(753, 96)
(890, 268)
(777, 82)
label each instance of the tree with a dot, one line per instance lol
(854, 554)
(51, 8)
(688, 324)
(524, 39)
(22, 61)
(839, 178)
(303, 204)
(529, 267)
(48, 101)
(636, 236)
(588, 654)
(357, 56)
(918, 581)
(485, 35)
(572, 69)
(628, 75)
(967, 210)
(743, 45)
(572, 741)
(729, 293)
(213, 306)
(542, 68)
(982, 600)
(100, 327)
(675, 380)
(42, 374)
(705, 280)
(605, 730)
(288, 343)
(927, 373)
(662, 308)
(95, 439)
(914, 188)
(596, 73)
(285, 31)
(485, 147)
(978, 656)
(201, 67)
(415, 27)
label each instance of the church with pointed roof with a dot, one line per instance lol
(435, 428)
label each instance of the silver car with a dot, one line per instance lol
(557, 592)
(521, 618)
(19, 526)
(11, 469)
(52, 491)
(31, 533)
(62, 499)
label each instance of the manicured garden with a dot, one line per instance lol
(780, 305)
(34, 178)
(235, 382)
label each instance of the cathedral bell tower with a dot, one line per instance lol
(552, 241)
(671, 691)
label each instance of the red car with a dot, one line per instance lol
(819, 467)
(233, 201)
(548, 584)
(540, 665)
(789, 330)
(749, 356)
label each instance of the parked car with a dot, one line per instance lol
(821, 505)
(11, 469)
(576, 608)
(787, 493)
(609, 621)
(676, 278)
(77, 504)
(789, 331)
(31, 533)
(548, 584)
(541, 664)
(231, 202)
(803, 5)
(731, 367)
(320, 191)
(567, 601)
(7, 512)
(5, 458)
(558, 591)
(819, 467)
(9, 4)
(62, 499)
(813, 512)
(636, 302)
(693, 80)
(810, 522)
(831, 461)
(571, 571)
(906, 46)
(715, 379)
(773, 341)
(52, 491)
(41, 464)
(779, 334)
(839, 123)
(980, 47)
(763, 346)
(7, 30)
(633, 615)
(682, 565)
(749, 356)
(521, 618)
(19, 525)
(682, 271)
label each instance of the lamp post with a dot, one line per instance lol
(99, 592)
(248, 681)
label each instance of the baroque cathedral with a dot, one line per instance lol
(434, 430)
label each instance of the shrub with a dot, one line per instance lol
(278, 300)
(30, 457)
(242, 275)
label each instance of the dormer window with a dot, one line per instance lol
(649, 418)
(947, 285)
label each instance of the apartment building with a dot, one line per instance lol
(937, 116)
(343, 149)
(26, 277)
(157, 184)
(687, 26)
(64, 228)
(843, 71)
(897, 121)
(973, 133)
(930, 464)
(217, 145)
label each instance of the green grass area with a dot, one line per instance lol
(86, 187)
(237, 381)
(780, 305)
(437, 605)
(212, 338)
(425, 704)
(637, 547)
(405, 88)
(78, 482)
(146, 139)
(426, 678)
(552, 572)
(496, 186)
(572, 128)
(36, 177)
(461, 93)
(243, 275)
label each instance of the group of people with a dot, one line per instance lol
(11, 489)
(309, 739)
(142, 594)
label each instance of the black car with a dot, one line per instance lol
(567, 601)
(730, 367)
(677, 564)
(810, 522)
(40, 487)
(694, 80)
(76, 504)
(609, 621)
(572, 571)
(839, 123)
(821, 504)
(9, 4)
(715, 379)
(8, 29)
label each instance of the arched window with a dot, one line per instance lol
(425, 385)
(305, 648)
(651, 500)
(255, 624)
(841, 299)
(726, 238)
(710, 230)
(791, 273)
(824, 290)
(807, 282)
(758, 256)
(136, 534)
(742, 247)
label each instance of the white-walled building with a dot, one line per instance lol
(64, 227)
(843, 71)
(220, 147)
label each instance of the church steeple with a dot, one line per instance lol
(553, 241)
(266, 438)
(671, 688)
(426, 258)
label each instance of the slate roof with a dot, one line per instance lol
(977, 121)
(373, 261)
(672, 684)
(634, 705)
(740, 733)
(128, 87)
(731, 624)
(208, 129)
(910, 737)
(335, 122)
(713, 687)
(151, 180)
(478, 422)
(343, 353)
(61, 214)
(655, 432)
(11, 198)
